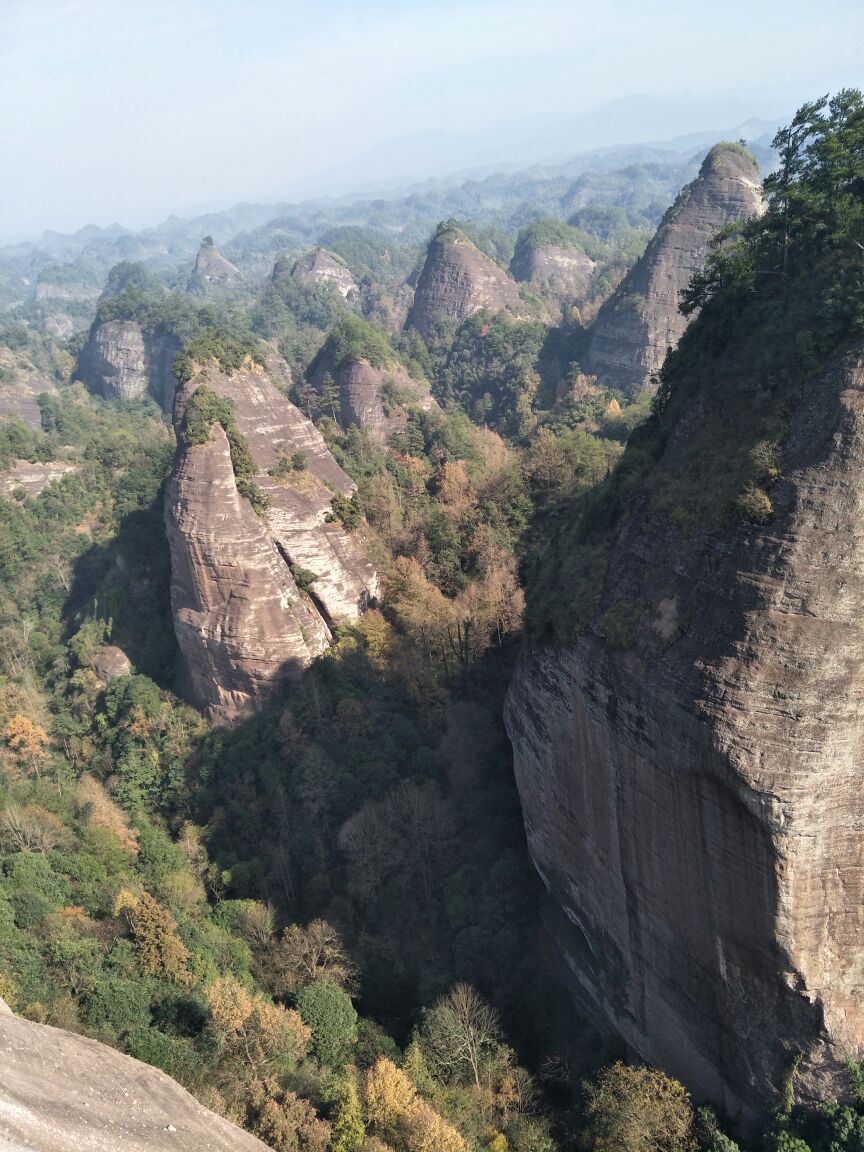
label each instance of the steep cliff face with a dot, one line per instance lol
(559, 275)
(242, 624)
(122, 362)
(458, 280)
(689, 769)
(212, 271)
(641, 320)
(321, 267)
(61, 1093)
(373, 398)
(21, 383)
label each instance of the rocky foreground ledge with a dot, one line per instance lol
(61, 1093)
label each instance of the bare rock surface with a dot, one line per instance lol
(111, 662)
(319, 266)
(374, 398)
(33, 478)
(65, 1093)
(242, 624)
(458, 280)
(641, 320)
(22, 383)
(559, 275)
(693, 798)
(212, 270)
(122, 362)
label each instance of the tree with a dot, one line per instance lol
(329, 1013)
(28, 741)
(160, 950)
(313, 953)
(348, 1129)
(457, 1031)
(30, 829)
(250, 1026)
(328, 396)
(638, 1110)
(283, 1120)
(401, 1117)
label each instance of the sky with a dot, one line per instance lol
(131, 110)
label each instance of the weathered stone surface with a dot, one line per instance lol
(694, 801)
(458, 280)
(65, 1093)
(22, 383)
(120, 361)
(319, 266)
(641, 320)
(33, 478)
(111, 662)
(559, 275)
(242, 625)
(372, 398)
(212, 271)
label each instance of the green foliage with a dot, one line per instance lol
(328, 1011)
(230, 350)
(354, 339)
(785, 291)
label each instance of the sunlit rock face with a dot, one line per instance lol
(458, 280)
(641, 321)
(693, 799)
(120, 361)
(319, 266)
(243, 625)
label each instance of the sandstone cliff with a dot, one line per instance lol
(242, 623)
(689, 766)
(212, 271)
(458, 280)
(321, 267)
(373, 386)
(641, 321)
(120, 361)
(559, 275)
(64, 1093)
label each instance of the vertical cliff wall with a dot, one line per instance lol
(120, 361)
(690, 766)
(458, 280)
(641, 321)
(243, 626)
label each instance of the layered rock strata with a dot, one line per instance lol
(120, 361)
(557, 274)
(641, 321)
(692, 793)
(458, 280)
(374, 399)
(242, 624)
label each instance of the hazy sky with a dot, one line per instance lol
(129, 110)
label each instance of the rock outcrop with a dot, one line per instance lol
(559, 275)
(458, 280)
(691, 775)
(242, 623)
(21, 382)
(372, 398)
(319, 266)
(33, 478)
(212, 271)
(65, 1093)
(120, 361)
(641, 320)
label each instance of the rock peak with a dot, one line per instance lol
(641, 320)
